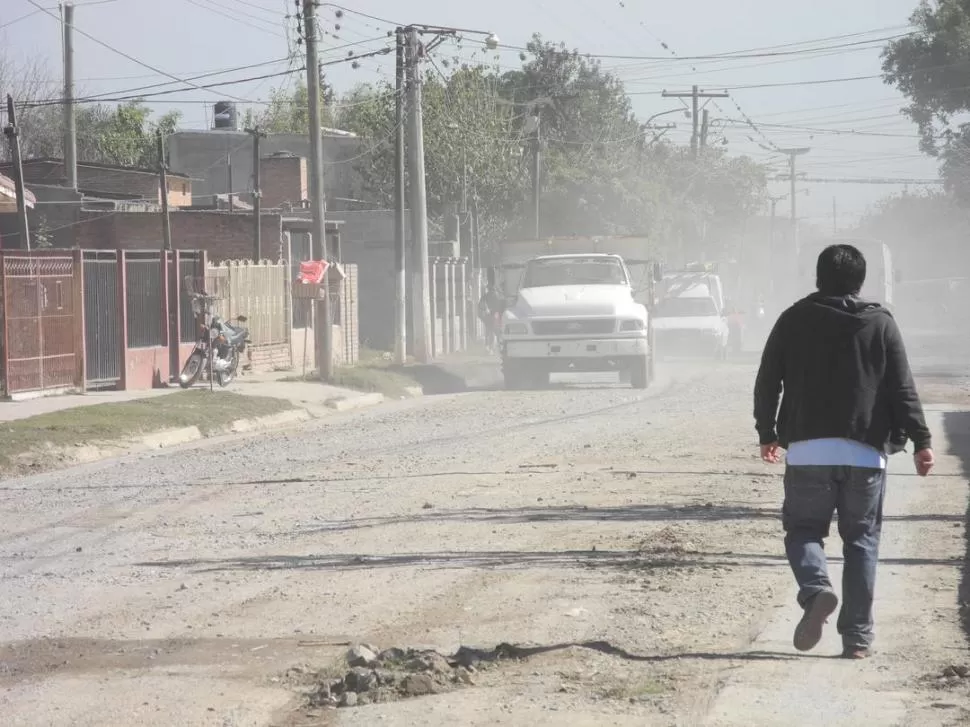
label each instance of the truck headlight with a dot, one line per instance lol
(516, 328)
(632, 325)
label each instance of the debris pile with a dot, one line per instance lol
(394, 674)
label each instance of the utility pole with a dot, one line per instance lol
(793, 154)
(537, 175)
(163, 191)
(400, 233)
(229, 179)
(323, 329)
(420, 290)
(695, 95)
(70, 110)
(705, 126)
(257, 195)
(13, 134)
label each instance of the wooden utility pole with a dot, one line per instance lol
(229, 180)
(323, 326)
(163, 191)
(400, 234)
(705, 127)
(695, 95)
(13, 135)
(793, 154)
(257, 195)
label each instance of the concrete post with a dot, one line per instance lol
(448, 329)
(433, 277)
(463, 304)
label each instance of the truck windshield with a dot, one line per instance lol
(574, 271)
(686, 308)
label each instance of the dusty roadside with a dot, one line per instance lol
(631, 538)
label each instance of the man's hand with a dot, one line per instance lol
(771, 453)
(924, 461)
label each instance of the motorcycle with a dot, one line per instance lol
(218, 348)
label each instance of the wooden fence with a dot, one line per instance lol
(261, 292)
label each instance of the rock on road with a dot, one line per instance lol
(633, 536)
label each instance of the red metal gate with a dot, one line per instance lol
(39, 331)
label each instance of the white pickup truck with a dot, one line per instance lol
(575, 312)
(690, 317)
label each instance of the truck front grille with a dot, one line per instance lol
(581, 327)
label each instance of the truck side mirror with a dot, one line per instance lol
(658, 272)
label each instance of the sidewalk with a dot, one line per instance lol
(313, 396)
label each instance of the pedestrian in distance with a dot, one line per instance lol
(847, 401)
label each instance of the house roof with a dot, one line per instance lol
(98, 165)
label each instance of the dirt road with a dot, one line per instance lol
(631, 538)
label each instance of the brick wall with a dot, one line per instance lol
(221, 235)
(283, 179)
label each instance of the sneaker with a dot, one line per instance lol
(856, 652)
(809, 630)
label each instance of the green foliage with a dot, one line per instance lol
(929, 66)
(124, 135)
(288, 110)
(600, 174)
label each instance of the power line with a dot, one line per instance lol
(225, 12)
(120, 52)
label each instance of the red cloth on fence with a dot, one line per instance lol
(312, 271)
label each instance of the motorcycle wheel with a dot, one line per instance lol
(224, 378)
(192, 370)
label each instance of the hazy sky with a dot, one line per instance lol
(191, 37)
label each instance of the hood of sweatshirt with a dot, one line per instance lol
(845, 314)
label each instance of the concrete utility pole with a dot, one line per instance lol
(695, 96)
(793, 154)
(70, 110)
(323, 329)
(400, 234)
(163, 191)
(13, 135)
(257, 196)
(420, 290)
(537, 175)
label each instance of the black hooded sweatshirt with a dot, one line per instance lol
(843, 368)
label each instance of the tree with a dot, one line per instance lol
(124, 135)
(288, 109)
(930, 67)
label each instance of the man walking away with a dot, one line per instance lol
(849, 401)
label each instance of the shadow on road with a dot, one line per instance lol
(631, 560)
(957, 427)
(578, 513)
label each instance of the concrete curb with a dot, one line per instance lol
(164, 439)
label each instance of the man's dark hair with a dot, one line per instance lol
(841, 270)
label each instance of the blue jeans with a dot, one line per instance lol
(812, 495)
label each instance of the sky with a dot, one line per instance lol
(821, 88)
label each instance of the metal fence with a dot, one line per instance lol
(261, 293)
(102, 318)
(145, 299)
(39, 333)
